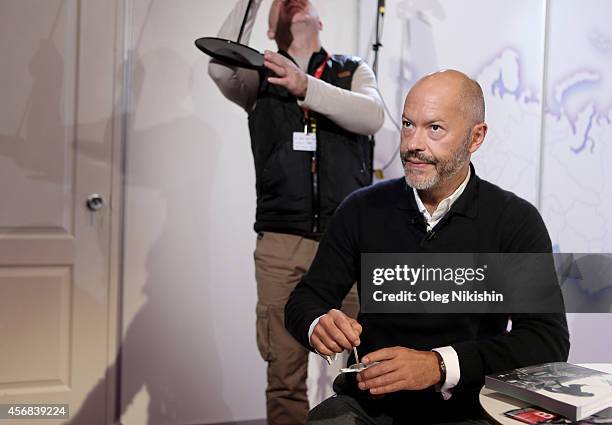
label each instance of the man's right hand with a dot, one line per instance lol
(335, 333)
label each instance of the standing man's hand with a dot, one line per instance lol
(399, 369)
(288, 74)
(335, 333)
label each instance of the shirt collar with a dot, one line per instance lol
(445, 205)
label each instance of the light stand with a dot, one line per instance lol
(380, 14)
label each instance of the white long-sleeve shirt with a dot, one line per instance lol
(359, 110)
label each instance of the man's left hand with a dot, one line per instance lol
(399, 369)
(287, 73)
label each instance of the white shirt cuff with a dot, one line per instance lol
(453, 372)
(311, 328)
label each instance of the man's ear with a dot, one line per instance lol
(320, 25)
(271, 34)
(479, 131)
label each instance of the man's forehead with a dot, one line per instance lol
(430, 104)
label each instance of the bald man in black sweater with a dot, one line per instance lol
(431, 367)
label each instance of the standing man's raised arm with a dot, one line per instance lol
(237, 84)
(360, 110)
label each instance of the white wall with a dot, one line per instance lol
(189, 352)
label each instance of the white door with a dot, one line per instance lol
(58, 144)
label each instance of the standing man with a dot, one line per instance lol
(310, 114)
(431, 366)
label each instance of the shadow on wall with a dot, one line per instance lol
(168, 349)
(40, 124)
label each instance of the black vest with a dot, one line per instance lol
(291, 198)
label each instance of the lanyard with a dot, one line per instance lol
(317, 74)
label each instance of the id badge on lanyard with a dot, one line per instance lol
(306, 141)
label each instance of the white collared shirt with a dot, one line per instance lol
(449, 355)
(443, 207)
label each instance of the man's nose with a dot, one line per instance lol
(414, 141)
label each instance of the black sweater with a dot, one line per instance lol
(385, 218)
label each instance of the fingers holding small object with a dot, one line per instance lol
(350, 331)
(356, 326)
(338, 336)
(342, 327)
(318, 345)
(344, 324)
(335, 331)
(327, 339)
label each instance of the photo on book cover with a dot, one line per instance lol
(558, 378)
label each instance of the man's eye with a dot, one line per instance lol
(406, 124)
(436, 127)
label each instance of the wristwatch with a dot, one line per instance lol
(442, 367)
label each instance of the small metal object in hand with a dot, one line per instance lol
(358, 366)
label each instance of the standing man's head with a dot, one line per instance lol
(291, 20)
(442, 125)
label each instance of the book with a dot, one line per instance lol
(572, 391)
(535, 416)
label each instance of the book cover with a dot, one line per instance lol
(575, 392)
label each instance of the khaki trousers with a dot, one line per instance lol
(280, 262)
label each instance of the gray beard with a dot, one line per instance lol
(444, 170)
